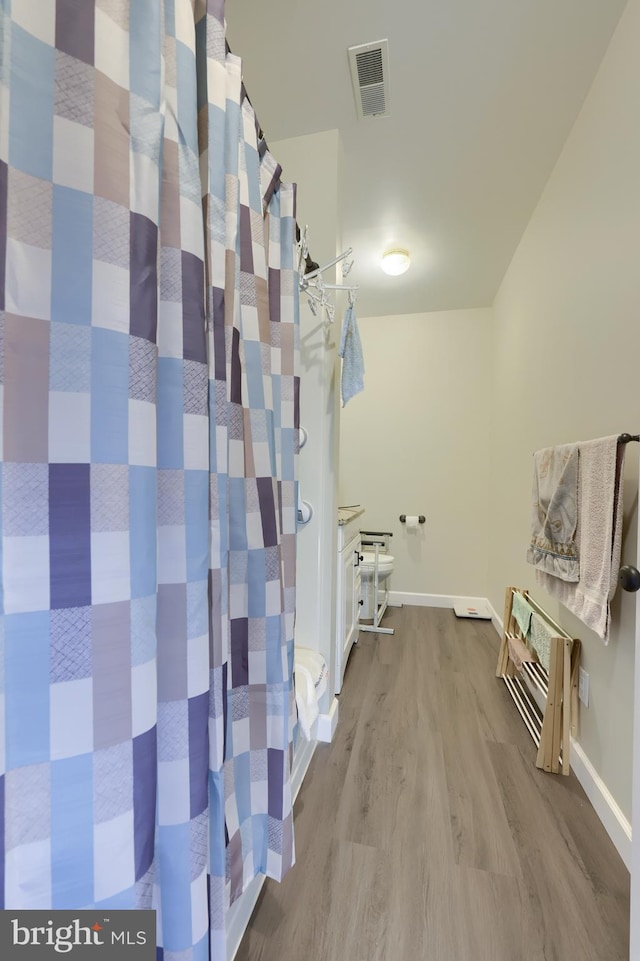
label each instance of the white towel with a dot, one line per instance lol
(352, 356)
(311, 672)
(598, 535)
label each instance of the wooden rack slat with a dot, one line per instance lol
(552, 725)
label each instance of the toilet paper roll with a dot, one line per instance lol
(412, 522)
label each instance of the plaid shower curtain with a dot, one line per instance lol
(148, 379)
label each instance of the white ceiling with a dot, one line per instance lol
(483, 96)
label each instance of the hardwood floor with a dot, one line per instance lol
(425, 831)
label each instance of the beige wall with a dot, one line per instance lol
(566, 366)
(456, 403)
(416, 441)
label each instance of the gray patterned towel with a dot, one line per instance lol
(554, 512)
(540, 639)
(598, 537)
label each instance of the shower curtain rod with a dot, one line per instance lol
(310, 264)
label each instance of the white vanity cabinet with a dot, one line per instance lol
(348, 591)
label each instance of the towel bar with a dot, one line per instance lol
(628, 575)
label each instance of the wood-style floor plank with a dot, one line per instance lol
(426, 831)
(478, 822)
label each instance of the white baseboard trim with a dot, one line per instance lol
(398, 598)
(496, 620)
(240, 912)
(239, 915)
(301, 762)
(327, 723)
(604, 804)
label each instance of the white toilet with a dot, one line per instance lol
(367, 570)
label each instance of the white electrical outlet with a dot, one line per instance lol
(583, 687)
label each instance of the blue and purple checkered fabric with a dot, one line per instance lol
(149, 386)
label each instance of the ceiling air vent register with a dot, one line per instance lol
(369, 63)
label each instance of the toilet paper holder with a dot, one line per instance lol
(421, 518)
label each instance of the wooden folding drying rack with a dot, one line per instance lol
(546, 700)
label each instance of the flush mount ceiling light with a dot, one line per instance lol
(395, 261)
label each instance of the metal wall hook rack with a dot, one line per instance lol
(313, 284)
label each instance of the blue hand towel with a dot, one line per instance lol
(352, 357)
